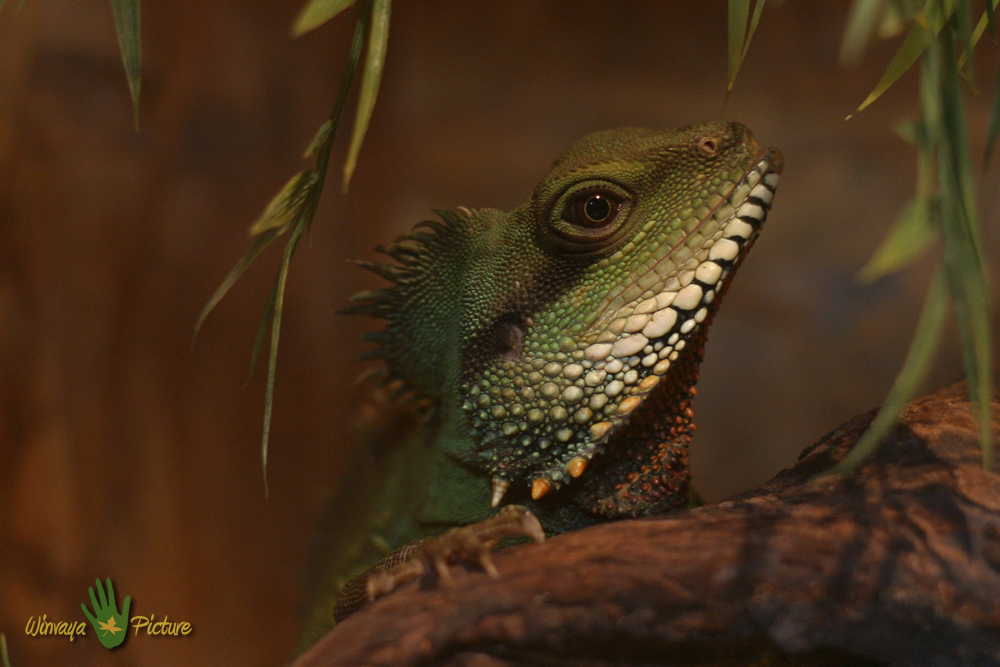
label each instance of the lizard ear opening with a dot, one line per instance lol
(508, 336)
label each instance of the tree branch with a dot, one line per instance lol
(898, 562)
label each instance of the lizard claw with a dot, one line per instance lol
(473, 543)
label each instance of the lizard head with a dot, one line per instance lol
(577, 321)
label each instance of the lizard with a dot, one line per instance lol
(552, 352)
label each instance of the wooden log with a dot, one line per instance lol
(897, 563)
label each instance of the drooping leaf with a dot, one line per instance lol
(916, 228)
(963, 256)
(127, 17)
(994, 128)
(285, 205)
(316, 13)
(980, 28)
(322, 137)
(264, 240)
(861, 23)
(963, 33)
(272, 362)
(323, 142)
(370, 81)
(909, 237)
(740, 35)
(991, 19)
(925, 26)
(926, 340)
(265, 321)
(739, 12)
(758, 9)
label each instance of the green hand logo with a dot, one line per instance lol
(107, 622)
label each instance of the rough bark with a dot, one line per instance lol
(897, 563)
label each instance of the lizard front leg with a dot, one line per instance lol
(466, 544)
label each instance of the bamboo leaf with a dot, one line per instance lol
(909, 237)
(265, 320)
(963, 25)
(963, 256)
(316, 13)
(262, 242)
(926, 340)
(272, 363)
(286, 204)
(758, 9)
(739, 12)
(980, 28)
(861, 23)
(911, 48)
(370, 82)
(740, 36)
(127, 15)
(925, 26)
(322, 137)
(309, 189)
(991, 19)
(994, 128)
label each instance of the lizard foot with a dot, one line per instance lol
(466, 544)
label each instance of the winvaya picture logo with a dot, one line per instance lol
(110, 624)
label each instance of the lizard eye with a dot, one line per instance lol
(592, 210)
(589, 216)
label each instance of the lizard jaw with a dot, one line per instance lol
(646, 343)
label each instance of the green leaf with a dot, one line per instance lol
(322, 137)
(861, 23)
(262, 242)
(287, 200)
(286, 204)
(739, 12)
(258, 343)
(370, 82)
(127, 26)
(323, 144)
(984, 20)
(963, 256)
(994, 129)
(925, 26)
(926, 340)
(909, 237)
(272, 363)
(316, 13)
(991, 19)
(963, 24)
(4, 658)
(740, 36)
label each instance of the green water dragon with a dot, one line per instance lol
(544, 361)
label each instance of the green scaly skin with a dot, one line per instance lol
(557, 346)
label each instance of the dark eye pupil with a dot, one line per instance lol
(597, 208)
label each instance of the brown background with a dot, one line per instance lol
(123, 454)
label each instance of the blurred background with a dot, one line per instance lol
(125, 454)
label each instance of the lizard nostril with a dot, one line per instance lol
(509, 337)
(708, 146)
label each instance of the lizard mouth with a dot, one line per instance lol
(639, 371)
